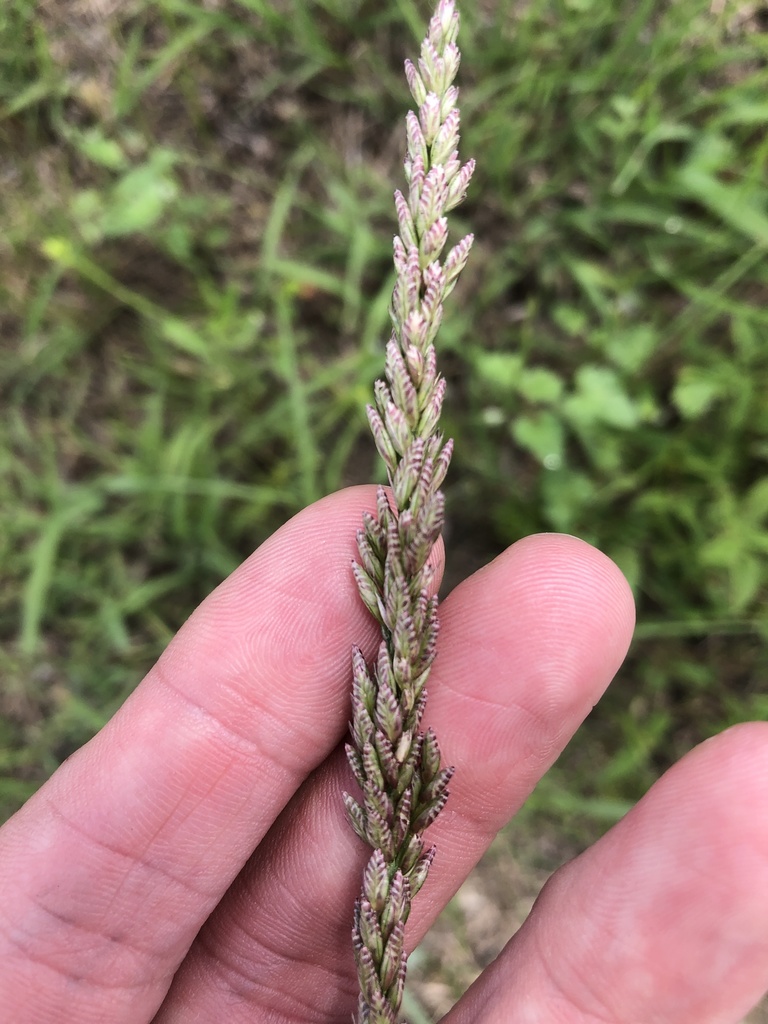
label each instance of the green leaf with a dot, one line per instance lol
(629, 561)
(695, 392)
(101, 150)
(741, 206)
(565, 495)
(725, 550)
(541, 434)
(87, 208)
(595, 281)
(141, 197)
(77, 506)
(180, 334)
(746, 578)
(756, 503)
(540, 385)
(571, 319)
(600, 398)
(629, 347)
(500, 370)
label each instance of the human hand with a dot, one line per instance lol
(129, 886)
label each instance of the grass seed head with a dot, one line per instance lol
(398, 767)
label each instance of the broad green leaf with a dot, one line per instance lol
(140, 198)
(540, 385)
(541, 434)
(600, 398)
(501, 370)
(694, 393)
(629, 347)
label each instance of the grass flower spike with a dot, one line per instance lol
(396, 765)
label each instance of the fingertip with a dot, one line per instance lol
(751, 737)
(573, 563)
(559, 603)
(721, 786)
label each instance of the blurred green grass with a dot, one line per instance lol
(194, 280)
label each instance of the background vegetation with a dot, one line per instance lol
(194, 276)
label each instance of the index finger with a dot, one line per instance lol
(108, 873)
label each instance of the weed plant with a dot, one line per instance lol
(194, 284)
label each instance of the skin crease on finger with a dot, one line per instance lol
(664, 920)
(527, 646)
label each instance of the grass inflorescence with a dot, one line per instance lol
(396, 765)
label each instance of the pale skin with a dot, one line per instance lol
(130, 890)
